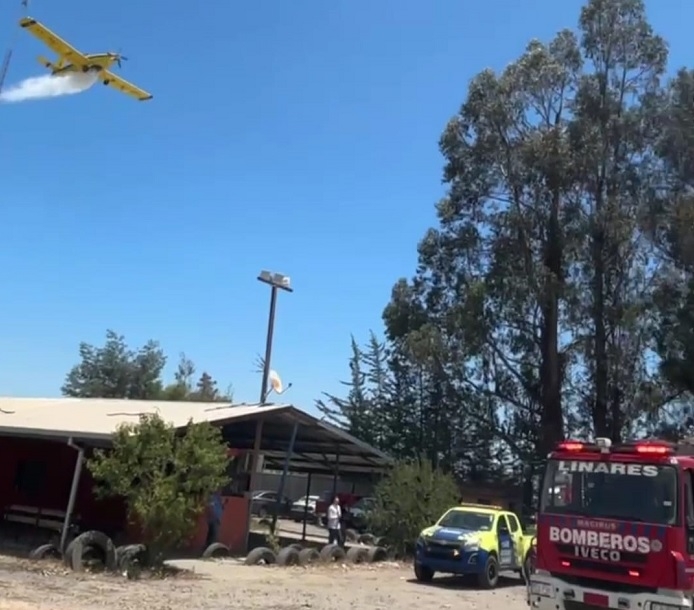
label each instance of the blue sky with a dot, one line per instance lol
(299, 137)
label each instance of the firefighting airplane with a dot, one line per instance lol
(70, 60)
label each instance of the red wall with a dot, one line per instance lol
(107, 515)
(60, 463)
(234, 526)
(54, 492)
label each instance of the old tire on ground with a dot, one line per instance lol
(351, 535)
(288, 556)
(488, 578)
(307, 556)
(119, 552)
(296, 546)
(45, 551)
(93, 542)
(368, 539)
(215, 551)
(423, 573)
(357, 554)
(130, 555)
(332, 552)
(260, 555)
(376, 554)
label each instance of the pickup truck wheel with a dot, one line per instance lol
(489, 577)
(423, 573)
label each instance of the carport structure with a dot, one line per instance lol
(292, 440)
(289, 439)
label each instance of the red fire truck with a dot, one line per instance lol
(615, 528)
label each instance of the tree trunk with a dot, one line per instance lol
(552, 420)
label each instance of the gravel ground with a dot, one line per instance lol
(228, 584)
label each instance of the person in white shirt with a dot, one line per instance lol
(334, 522)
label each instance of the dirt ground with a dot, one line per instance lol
(228, 584)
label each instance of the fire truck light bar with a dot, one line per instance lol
(653, 449)
(571, 446)
(642, 447)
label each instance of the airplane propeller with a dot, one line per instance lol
(119, 58)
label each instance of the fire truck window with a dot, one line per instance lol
(578, 489)
(690, 499)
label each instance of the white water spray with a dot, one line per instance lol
(43, 87)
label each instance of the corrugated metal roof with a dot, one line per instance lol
(319, 446)
(98, 418)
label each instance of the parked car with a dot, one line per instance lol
(346, 501)
(301, 508)
(357, 515)
(264, 503)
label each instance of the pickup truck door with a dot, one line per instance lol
(505, 541)
(517, 536)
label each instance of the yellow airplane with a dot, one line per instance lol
(70, 60)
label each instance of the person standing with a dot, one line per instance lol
(334, 522)
(215, 510)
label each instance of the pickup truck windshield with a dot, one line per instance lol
(611, 490)
(457, 518)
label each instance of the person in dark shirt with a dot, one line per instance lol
(215, 510)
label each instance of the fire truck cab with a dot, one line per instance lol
(615, 527)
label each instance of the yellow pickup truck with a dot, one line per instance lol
(474, 539)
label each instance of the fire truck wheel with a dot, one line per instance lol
(423, 573)
(489, 577)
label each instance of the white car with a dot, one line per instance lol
(303, 507)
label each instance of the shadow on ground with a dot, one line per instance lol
(466, 582)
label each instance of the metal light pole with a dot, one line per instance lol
(276, 281)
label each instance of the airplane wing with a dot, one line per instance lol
(111, 79)
(53, 42)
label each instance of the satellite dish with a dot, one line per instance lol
(275, 382)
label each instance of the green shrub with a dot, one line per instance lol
(411, 497)
(165, 476)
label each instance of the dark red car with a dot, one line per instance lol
(326, 498)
